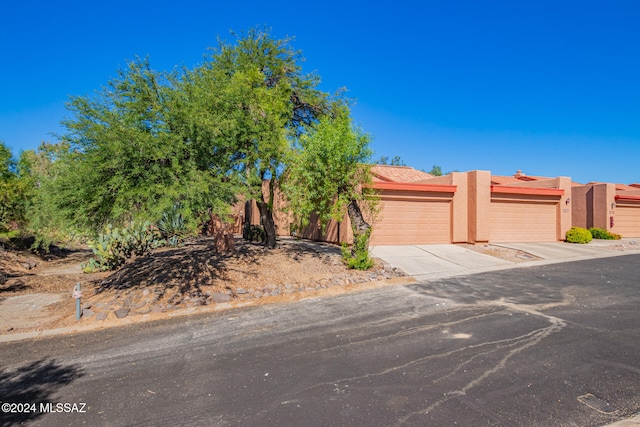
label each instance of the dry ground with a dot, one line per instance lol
(36, 293)
(173, 281)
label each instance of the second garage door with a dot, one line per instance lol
(413, 222)
(627, 220)
(520, 221)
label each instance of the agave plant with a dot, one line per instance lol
(172, 225)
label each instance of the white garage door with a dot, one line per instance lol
(520, 221)
(412, 222)
(627, 220)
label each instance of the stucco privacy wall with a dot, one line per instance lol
(615, 208)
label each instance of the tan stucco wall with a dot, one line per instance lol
(479, 205)
(604, 196)
(582, 206)
(460, 208)
(565, 207)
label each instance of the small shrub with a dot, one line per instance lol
(253, 233)
(172, 226)
(357, 257)
(601, 233)
(115, 246)
(578, 235)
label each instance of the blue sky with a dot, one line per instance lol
(548, 87)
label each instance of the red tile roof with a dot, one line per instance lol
(388, 173)
(505, 180)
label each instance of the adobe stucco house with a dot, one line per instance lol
(613, 207)
(473, 207)
(477, 207)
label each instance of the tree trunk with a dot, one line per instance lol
(266, 217)
(358, 224)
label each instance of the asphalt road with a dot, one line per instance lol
(555, 345)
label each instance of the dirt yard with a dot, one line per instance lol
(36, 293)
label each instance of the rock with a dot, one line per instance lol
(157, 308)
(101, 316)
(27, 263)
(289, 291)
(275, 292)
(241, 291)
(258, 294)
(87, 312)
(288, 286)
(145, 292)
(220, 298)
(121, 313)
(3, 278)
(140, 304)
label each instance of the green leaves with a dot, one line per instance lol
(328, 169)
(135, 156)
(115, 246)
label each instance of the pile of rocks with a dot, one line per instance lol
(124, 303)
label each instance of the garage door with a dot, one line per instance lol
(627, 220)
(520, 221)
(412, 222)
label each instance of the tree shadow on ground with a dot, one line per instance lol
(297, 249)
(33, 383)
(24, 246)
(185, 269)
(16, 286)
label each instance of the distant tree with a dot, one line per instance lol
(436, 170)
(327, 175)
(12, 192)
(395, 161)
(38, 170)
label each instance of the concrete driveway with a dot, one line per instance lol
(437, 261)
(434, 261)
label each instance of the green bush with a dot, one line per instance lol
(601, 233)
(253, 233)
(172, 226)
(357, 257)
(578, 235)
(115, 246)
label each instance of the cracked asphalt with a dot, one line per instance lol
(551, 345)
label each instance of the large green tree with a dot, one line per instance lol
(329, 174)
(129, 155)
(246, 105)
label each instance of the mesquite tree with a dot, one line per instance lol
(328, 174)
(248, 102)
